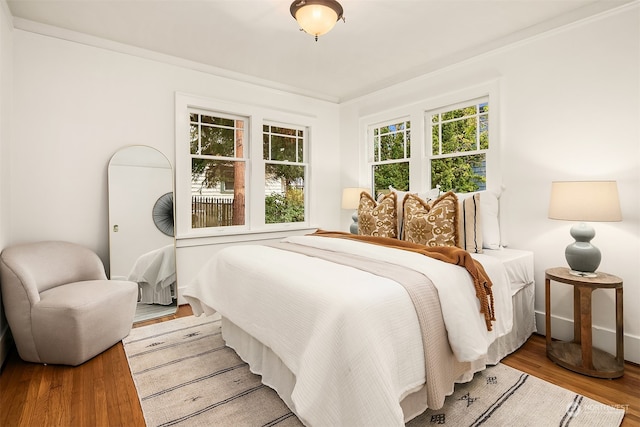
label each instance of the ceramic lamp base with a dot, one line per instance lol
(353, 229)
(581, 255)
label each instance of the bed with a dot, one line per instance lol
(343, 345)
(155, 273)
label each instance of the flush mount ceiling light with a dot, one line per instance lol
(316, 17)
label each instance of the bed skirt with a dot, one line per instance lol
(276, 375)
(157, 294)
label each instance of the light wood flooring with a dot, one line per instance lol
(101, 392)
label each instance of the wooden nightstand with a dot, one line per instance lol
(579, 354)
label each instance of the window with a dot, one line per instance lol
(283, 149)
(459, 146)
(218, 169)
(241, 169)
(456, 143)
(391, 146)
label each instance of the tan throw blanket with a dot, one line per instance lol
(449, 254)
(442, 369)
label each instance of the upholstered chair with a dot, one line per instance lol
(59, 304)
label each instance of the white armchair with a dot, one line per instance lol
(59, 304)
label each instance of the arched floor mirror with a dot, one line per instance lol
(141, 233)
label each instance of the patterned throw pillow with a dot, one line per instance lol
(427, 196)
(431, 224)
(378, 219)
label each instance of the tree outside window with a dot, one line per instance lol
(218, 170)
(456, 149)
(391, 145)
(284, 150)
(459, 142)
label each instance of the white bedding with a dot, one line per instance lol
(275, 374)
(345, 333)
(155, 273)
(466, 327)
(517, 263)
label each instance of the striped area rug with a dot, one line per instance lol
(503, 396)
(186, 376)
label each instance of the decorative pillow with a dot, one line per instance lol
(470, 223)
(427, 196)
(490, 206)
(492, 237)
(378, 219)
(431, 224)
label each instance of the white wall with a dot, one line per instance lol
(570, 110)
(6, 84)
(75, 105)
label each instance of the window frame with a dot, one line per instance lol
(256, 115)
(416, 111)
(235, 158)
(372, 148)
(428, 121)
(304, 163)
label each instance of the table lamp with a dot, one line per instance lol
(351, 200)
(584, 201)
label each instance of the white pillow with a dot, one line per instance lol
(490, 205)
(490, 208)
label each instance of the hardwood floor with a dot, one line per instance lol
(620, 392)
(101, 392)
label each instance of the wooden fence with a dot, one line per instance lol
(207, 211)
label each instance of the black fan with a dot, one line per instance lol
(163, 214)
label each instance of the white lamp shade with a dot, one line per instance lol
(351, 197)
(585, 201)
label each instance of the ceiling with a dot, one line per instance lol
(381, 43)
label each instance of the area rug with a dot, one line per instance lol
(186, 376)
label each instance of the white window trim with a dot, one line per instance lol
(429, 127)
(370, 148)
(304, 162)
(257, 115)
(419, 163)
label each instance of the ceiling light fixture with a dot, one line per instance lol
(316, 17)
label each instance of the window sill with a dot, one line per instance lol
(244, 236)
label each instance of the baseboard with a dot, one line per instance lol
(604, 339)
(6, 343)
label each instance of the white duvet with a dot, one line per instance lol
(351, 338)
(156, 268)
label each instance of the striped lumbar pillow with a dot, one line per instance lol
(469, 223)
